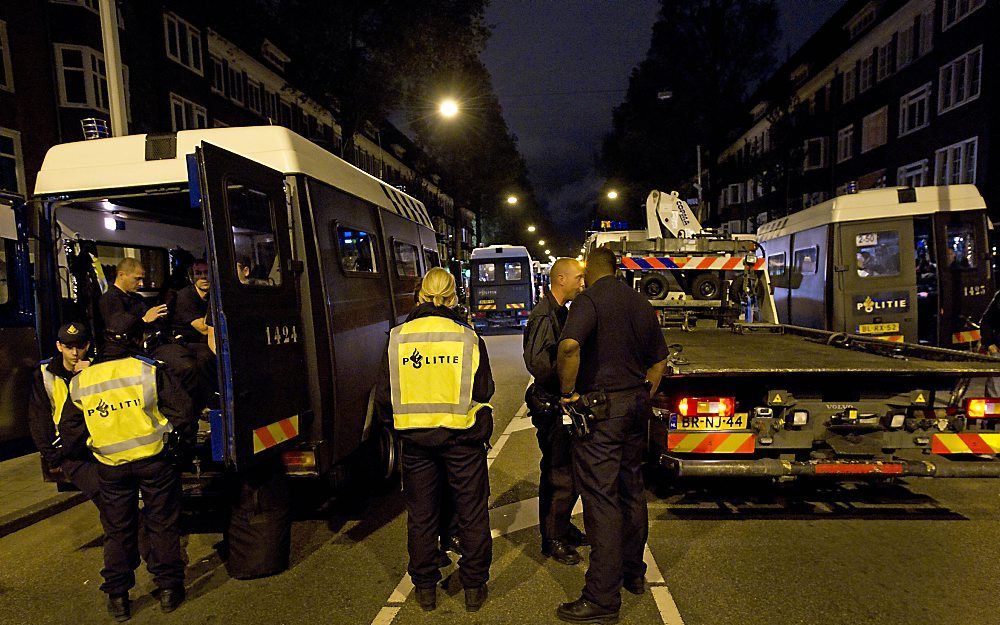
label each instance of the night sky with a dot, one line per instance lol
(561, 67)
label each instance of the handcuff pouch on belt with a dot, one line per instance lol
(542, 405)
(579, 414)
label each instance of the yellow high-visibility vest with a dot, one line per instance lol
(56, 389)
(119, 403)
(432, 366)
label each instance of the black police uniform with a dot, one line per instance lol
(620, 340)
(81, 471)
(557, 492)
(159, 481)
(188, 307)
(122, 314)
(437, 461)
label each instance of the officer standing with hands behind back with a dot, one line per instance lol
(557, 493)
(612, 355)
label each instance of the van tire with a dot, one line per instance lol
(654, 286)
(706, 286)
(384, 454)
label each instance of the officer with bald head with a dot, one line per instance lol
(557, 492)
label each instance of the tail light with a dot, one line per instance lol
(523, 313)
(982, 408)
(706, 406)
(299, 461)
(478, 315)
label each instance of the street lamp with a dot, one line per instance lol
(541, 241)
(612, 195)
(448, 108)
(547, 252)
(531, 228)
(512, 199)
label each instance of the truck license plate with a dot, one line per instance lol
(877, 328)
(687, 424)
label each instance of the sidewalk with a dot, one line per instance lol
(25, 498)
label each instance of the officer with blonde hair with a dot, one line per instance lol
(432, 392)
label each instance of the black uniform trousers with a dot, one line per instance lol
(84, 474)
(557, 492)
(159, 482)
(194, 366)
(430, 474)
(608, 469)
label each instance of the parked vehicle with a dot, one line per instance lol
(502, 286)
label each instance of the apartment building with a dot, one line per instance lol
(886, 93)
(182, 70)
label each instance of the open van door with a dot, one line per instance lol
(255, 306)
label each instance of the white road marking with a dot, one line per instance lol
(523, 514)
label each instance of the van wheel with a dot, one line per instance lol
(706, 286)
(387, 457)
(653, 286)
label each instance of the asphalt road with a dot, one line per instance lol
(730, 553)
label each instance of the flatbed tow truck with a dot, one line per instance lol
(746, 396)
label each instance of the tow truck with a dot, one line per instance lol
(745, 395)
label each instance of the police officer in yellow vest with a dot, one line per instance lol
(123, 410)
(433, 390)
(50, 389)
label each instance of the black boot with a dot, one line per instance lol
(427, 597)
(170, 598)
(576, 537)
(583, 611)
(119, 607)
(635, 585)
(561, 552)
(475, 598)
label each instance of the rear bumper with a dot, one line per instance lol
(833, 469)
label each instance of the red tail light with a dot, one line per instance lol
(478, 315)
(706, 406)
(982, 408)
(524, 313)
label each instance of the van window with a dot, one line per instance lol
(357, 250)
(254, 244)
(806, 259)
(154, 260)
(431, 258)
(776, 264)
(487, 272)
(877, 254)
(512, 272)
(406, 259)
(960, 250)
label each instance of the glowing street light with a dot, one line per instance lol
(512, 199)
(547, 252)
(448, 108)
(612, 195)
(531, 228)
(541, 242)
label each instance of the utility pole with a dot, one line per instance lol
(113, 67)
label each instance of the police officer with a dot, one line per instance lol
(611, 357)
(433, 390)
(123, 410)
(189, 328)
(123, 309)
(556, 491)
(50, 389)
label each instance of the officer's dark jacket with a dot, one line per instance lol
(174, 403)
(482, 390)
(541, 342)
(188, 307)
(122, 312)
(40, 422)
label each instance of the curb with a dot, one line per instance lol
(52, 506)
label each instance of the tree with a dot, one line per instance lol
(691, 90)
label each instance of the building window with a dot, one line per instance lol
(273, 55)
(186, 115)
(845, 143)
(904, 46)
(956, 164)
(884, 61)
(11, 162)
(285, 114)
(183, 42)
(254, 96)
(815, 153)
(912, 175)
(89, 4)
(861, 21)
(914, 110)
(956, 10)
(850, 83)
(734, 194)
(926, 32)
(6, 72)
(237, 84)
(874, 130)
(218, 75)
(867, 78)
(960, 81)
(83, 81)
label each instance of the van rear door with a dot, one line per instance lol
(965, 286)
(256, 308)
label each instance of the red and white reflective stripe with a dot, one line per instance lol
(275, 433)
(969, 336)
(859, 468)
(727, 263)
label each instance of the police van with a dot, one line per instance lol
(501, 286)
(898, 264)
(312, 261)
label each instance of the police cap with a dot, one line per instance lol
(74, 334)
